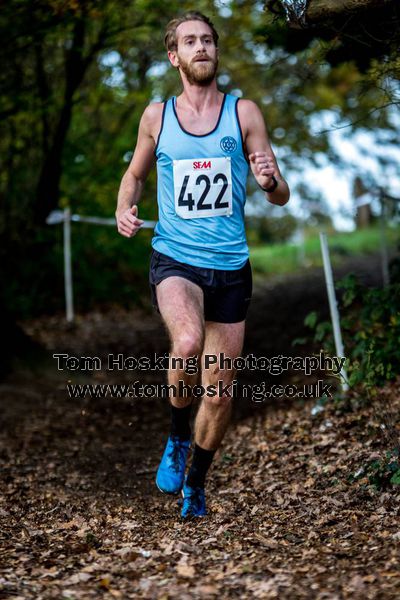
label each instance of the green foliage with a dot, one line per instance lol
(382, 474)
(76, 77)
(372, 326)
(107, 270)
(118, 275)
(311, 319)
(321, 329)
(370, 321)
(263, 230)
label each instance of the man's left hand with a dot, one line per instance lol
(262, 166)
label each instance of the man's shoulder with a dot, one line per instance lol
(249, 113)
(151, 119)
(246, 106)
(153, 112)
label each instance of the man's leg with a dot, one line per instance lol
(214, 413)
(181, 305)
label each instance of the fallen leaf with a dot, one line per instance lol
(185, 570)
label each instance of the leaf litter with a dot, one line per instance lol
(293, 513)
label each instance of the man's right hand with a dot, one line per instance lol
(127, 222)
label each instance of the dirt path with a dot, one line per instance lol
(81, 517)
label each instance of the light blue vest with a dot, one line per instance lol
(201, 200)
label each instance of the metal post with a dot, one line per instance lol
(69, 300)
(384, 248)
(337, 334)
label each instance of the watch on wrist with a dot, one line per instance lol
(272, 187)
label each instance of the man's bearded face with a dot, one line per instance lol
(200, 70)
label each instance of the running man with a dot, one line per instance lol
(203, 142)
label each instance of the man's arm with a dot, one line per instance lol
(133, 180)
(262, 159)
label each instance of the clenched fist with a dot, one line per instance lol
(263, 168)
(128, 223)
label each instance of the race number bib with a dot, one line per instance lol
(203, 187)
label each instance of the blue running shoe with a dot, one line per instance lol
(171, 472)
(194, 502)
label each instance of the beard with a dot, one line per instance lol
(199, 73)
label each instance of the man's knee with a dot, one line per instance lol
(187, 345)
(217, 402)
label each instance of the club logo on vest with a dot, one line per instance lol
(228, 144)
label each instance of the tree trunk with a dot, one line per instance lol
(48, 188)
(44, 96)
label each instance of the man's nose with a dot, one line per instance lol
(200, 45)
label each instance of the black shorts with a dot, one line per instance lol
(227, 294)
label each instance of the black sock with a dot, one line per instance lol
(202, 460)
(180, 422)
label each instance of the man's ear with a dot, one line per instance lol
(173, 58)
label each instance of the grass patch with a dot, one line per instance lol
(280, 259)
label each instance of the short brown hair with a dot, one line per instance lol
(170, 33)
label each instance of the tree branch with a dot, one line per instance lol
(320, 10)
(360, 120)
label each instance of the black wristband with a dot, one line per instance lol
(273, 186)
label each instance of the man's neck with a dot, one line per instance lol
(199, 98)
